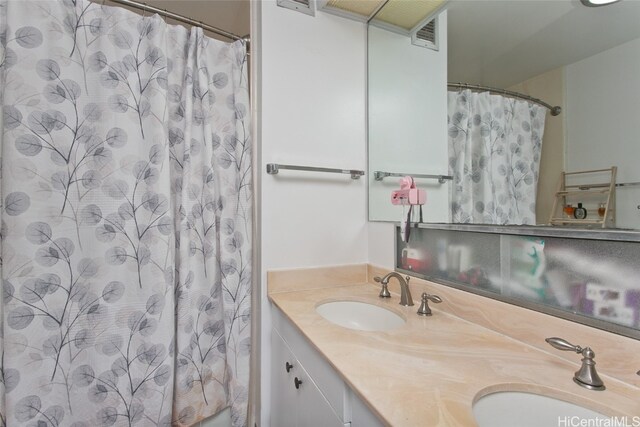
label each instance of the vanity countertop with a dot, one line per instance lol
(429, 371)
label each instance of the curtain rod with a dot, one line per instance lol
(184, 19)
(554, 110)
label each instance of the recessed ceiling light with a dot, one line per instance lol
(596, 3)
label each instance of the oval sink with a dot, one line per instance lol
(359, 316)
(530, 410)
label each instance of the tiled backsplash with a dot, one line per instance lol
(591, 281)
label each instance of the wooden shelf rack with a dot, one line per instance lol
(604, 192)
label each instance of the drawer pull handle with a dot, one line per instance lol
(297, 382)
(288, 366)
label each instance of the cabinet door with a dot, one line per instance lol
(313, 408)
(324, 376)
(362, 415)
(284, 408)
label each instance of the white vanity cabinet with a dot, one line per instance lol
(321, 398)
(296, 400)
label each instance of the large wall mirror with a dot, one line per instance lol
(488, 157)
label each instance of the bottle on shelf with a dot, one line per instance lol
(569, 209)
(602, 208)
(579, 212)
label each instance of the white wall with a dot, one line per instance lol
(312, 113)
(603, 109)
(311, 108)
(401, 75)
(381, 246)
(407, 120)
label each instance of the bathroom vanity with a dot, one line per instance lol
(428, 370)
(306, 390)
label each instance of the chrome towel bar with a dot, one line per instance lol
(618, 184)
(379, 176)
(274, 168)
(628, 184)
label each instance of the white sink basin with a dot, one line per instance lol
(513, 408)
(359, 316)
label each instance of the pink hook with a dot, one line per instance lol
(407, 183)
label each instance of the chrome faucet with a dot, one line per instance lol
(405, 293)
(586, 376)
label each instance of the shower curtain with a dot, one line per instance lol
(494, 157)
(126, 219)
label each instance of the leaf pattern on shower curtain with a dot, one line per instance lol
(495, 145)
(126, 219)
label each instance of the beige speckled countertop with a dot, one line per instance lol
(431, 370)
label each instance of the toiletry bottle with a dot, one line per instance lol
(569, 209)
(580, 212)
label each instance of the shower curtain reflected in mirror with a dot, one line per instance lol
(494, 144)
(126, 219)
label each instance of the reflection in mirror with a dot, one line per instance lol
(589, 279)
(407, 118)
(511, 160)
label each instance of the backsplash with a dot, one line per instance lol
(590, 281)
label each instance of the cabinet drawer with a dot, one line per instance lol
(324, 376)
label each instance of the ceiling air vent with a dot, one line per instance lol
(427, 36)
(304, 6)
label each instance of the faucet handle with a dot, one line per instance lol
(377, 279)
(562, 344)
(586, 376)
(424, 309)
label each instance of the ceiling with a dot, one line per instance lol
(403, 15)
(229, 15)
(500, 43)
